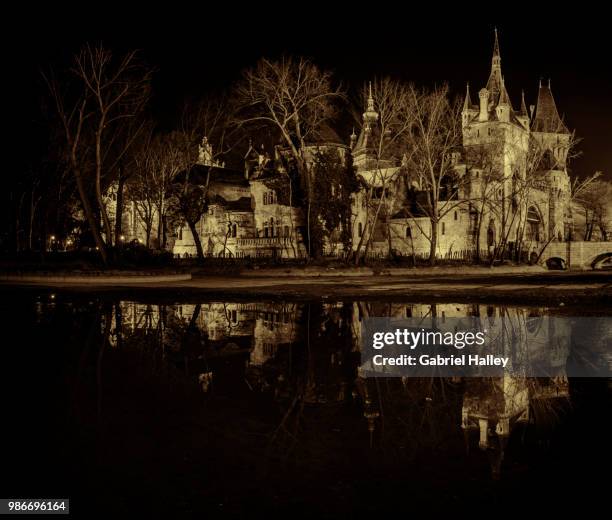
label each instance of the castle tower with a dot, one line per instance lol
(523, 115)
(469, 110)
(504, 109)
(497, 127)
(551, 133)
(364, 150)
(494, 83)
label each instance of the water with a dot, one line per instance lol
(242, 407)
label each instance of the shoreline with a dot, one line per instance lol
(547, 287)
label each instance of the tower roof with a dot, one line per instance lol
(504, 98)
(467, 103)
(370, 133)
(494, 83)
(546, 115)
(496, 45)
(523, 111)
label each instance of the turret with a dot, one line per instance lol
(504, 107)
(365, 146)
(483, 95)
(546, 115)
(370, 116)
(468, 111)
(523, 115)
(549, 129)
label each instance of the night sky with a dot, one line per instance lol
(196, 51)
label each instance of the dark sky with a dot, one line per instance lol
(195, 51)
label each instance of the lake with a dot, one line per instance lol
(249, 406)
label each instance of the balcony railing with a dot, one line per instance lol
(265, 241)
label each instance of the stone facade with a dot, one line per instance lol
(249, 213)
(487, 205)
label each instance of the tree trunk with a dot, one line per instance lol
(433, 242)
(33, 205)
(160, 223)
(478, 230)
(389, 242)
(99, 199)
(91, 218)
(196, 239)
(119, 209)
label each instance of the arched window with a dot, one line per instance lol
(455, 214)
(443, 228)
(533, 224)
(234, 230)
(265, 198)
(408, 232)
(491, 233)
(360, 229)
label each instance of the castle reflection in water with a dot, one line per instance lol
(308, 354)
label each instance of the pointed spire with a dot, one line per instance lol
(494, 82)
(496, 45)
(467, 103)
(523, 111)
(370, 100)
(370, 115)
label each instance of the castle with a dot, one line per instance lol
(501, 197)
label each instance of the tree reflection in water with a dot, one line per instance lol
(248, 391)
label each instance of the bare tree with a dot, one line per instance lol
(483, 177)
(387, 124)
(294, 97)
(593, 197)
(132, 135)
(141, 190)
(517, 190)
(434, 140)
(93, 103)
(118, 89)
(162, 160)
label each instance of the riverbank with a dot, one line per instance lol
(105, 277)
(590, 288)
(415, 272)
